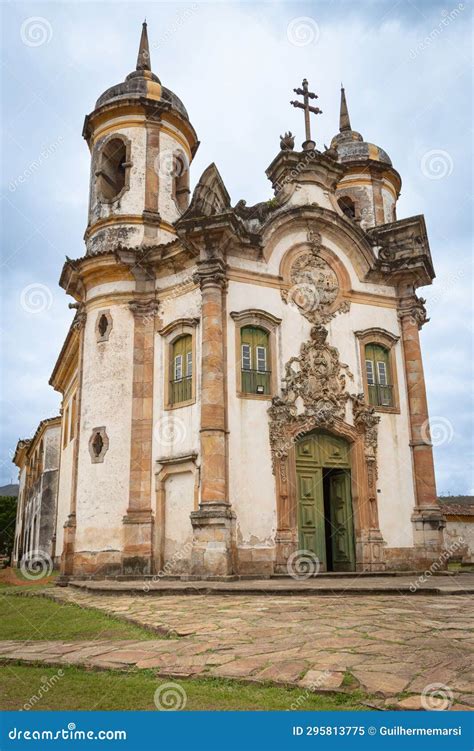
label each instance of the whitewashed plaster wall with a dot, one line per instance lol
(103, 488)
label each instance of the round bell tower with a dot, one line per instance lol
(142, 144)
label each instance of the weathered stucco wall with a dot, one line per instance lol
(103, 488)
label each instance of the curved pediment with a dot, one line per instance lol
(313, 219)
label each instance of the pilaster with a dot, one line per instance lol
(427, 516)
(138, 521)
(213, 524)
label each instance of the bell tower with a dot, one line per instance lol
(142, 144)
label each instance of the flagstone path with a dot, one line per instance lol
(388, 644)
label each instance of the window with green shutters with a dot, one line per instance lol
(181, 381)
(255, 360)
(377, 369)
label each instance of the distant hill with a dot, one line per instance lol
(9, 490)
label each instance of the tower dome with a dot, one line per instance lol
(143, 83)
(142, 144)
(370, 187)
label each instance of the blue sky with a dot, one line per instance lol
(406, 67)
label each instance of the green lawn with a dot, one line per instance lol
(39, 619)
(81, 689)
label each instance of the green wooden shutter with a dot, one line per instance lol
(378, 375)
(255, 360)
(181, 386)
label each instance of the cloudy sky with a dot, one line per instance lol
(406, 68)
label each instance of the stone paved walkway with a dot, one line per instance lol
(389, 645)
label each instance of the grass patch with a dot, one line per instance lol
(80, 689)
(40, 619)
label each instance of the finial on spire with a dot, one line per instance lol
(344, 122)
(143, 59)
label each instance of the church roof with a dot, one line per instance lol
(350, 145)
(142, 83)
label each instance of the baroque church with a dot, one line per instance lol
(242, 386)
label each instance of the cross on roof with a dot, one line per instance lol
(305, 105)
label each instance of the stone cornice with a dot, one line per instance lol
(304, 166)
(403, 252)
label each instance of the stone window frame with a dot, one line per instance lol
(386, 339)
(98, 458)
(170, 334)
(128, 164)
(110, 324)
(269, 323)
(180, 182)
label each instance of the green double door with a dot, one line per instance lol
(325, 521)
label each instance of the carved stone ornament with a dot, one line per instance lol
(145, 309)
(210, 272)
(366, 421)
(314, 392)
(314, 284)
(415, 309)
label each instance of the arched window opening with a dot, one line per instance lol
(180, 182)
(103, 325)
(255, 360)
(347, 206)
(181, 377)
(112, 171)
(379, 378)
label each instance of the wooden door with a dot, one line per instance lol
(310, 498)
(342, 523)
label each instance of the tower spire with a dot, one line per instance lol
(143, 59)
(344, 122)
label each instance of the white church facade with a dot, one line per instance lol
(242, 386)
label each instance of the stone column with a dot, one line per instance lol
(138, 521)
(69, 538)
(213, 524)
(427, 516)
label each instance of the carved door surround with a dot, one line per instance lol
(314, 397)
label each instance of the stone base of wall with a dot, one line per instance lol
(370, 551)
(103, 564)
(255, 561)
(213, 551)
(413, 559)
(137, 557)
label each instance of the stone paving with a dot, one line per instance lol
(386, 645)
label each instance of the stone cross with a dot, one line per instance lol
(308, 145)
